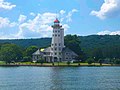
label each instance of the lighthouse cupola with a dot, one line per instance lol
(56, 22)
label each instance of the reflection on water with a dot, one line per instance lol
(60, 78)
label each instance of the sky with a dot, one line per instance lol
(20, 19)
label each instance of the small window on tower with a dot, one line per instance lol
(60, 53)
(55, 35)
(55, 49)
(55, 31)
(59, 48)
(55, 53)
(52, 49)
(55, 44)
(58, 35)
(58, 31)
(59, 44)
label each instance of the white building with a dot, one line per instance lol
(57, 51)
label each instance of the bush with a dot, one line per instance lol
(41, 60)
(68, 62)
(100, 61)
(27, 59)
(90, 60)
(117, 61)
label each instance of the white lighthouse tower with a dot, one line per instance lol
(57, 43)
(57, 51)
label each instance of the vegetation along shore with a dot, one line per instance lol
(98, 49)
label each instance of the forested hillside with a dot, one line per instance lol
(87, 42)
(42, 42)
(93, 46)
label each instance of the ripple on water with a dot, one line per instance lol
(60, 78)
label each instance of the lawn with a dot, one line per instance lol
(2, 62)
(57, 64)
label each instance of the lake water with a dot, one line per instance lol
(59, 78)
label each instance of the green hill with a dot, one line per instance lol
(88, 43)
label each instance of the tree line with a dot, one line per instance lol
(102, 49)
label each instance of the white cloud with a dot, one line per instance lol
(110, 8)
(22, 18)
(66, 26)
(62, 12)
(5, 22)
(107, 32)
(39, 26)
(69, 19)
(6, 5)
(32, 14)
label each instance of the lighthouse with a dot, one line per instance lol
(57, 43)
(57, 52)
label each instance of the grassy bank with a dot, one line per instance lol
(51, 64)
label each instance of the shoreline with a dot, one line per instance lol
(39, 65)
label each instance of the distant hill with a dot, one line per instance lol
(41, 42)
(87, 42)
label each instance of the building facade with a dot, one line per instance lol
(57, 52)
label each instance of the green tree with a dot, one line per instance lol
(73, 42)
(41, 61)
(90, 60)
(100, 61)
(10, 52)
(117, 61)
(68, 63)
(30, 50)
(27, 59)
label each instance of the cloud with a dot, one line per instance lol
(69, 19)
(62, 12)
(107, 32)
(32, 14)
(38, 26)
(6, 5)
(66, 26)
(22, 18)
(110, 8)
(5, 22)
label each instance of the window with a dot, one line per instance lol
(66, 58)
(66, 53)
(59, 48)
(59, 53)
(55, 49)
(59, 35)
(52, 49)
(58, 31)
(55, 31)
(59, 44)
(55, 53)
(55, 35)
(52, 44)
(55, 44)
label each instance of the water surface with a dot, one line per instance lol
(59, 78)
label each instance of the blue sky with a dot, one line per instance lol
(33, 18)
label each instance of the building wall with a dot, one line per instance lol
(68, 56)
(57, 43)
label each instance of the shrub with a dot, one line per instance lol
(90, 60)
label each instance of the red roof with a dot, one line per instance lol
(56, 21)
